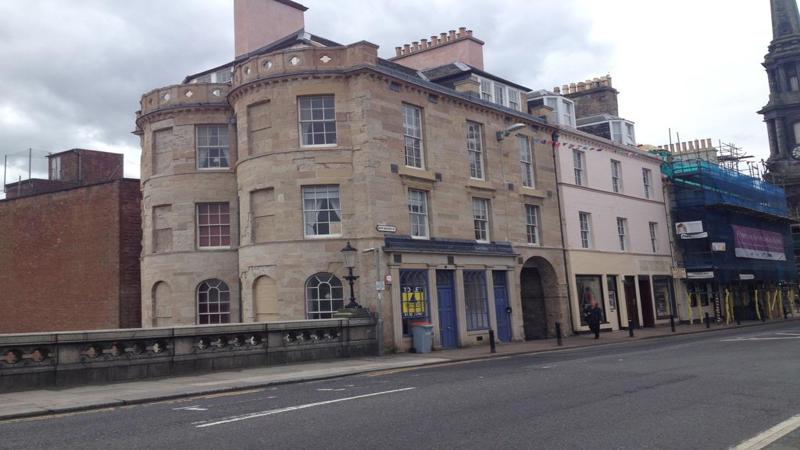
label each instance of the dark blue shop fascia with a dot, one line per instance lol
(401, 244)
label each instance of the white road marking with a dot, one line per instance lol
(190, 408)
(333, 390)
(296, 408)
(773, 434)
(779, 338)
(788, 334)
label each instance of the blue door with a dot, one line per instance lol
(501, 306)
(448, 324)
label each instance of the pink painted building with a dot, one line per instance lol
(614, 216)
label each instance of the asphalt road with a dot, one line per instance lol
(706, 391)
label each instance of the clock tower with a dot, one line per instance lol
(782, 112)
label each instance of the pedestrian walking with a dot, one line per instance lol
(594, 315)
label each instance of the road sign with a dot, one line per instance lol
(386, 228)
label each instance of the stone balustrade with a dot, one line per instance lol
(185, 95)
(314, 59)
(30, 361)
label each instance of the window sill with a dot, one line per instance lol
(421, 238)
(475, 183)
(211, 249)
(534, 245)
(320, 146)
(479, 241)
(322, 236)
(213, 169)
(533, 192)
(413, 172)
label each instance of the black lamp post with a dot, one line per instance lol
(349, 256)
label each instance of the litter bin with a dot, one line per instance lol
(422, 333)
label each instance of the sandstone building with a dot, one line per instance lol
(70, 248)
(255, 175)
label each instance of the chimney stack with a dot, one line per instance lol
(446, 48)
(258, 23)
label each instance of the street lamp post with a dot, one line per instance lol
(349, 256)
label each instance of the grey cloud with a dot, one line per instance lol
(72, 73)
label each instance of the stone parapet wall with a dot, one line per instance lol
(29, 361)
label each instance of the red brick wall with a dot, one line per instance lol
(130, 242)
(61, 266)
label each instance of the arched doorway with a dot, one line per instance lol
(540, 300)
(265, 299)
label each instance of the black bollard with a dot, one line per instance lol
(492, 344)
(558, 334)
(672, 322)
(630, 328)
(708, 321)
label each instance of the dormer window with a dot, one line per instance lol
(563, 108)
(622, 132)
(499, 93)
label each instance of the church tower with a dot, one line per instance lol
(782, 112)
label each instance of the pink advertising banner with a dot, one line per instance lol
(758, 244)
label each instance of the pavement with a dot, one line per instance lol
(60, 400)
(734, 387)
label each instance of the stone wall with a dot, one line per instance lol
(29, 361)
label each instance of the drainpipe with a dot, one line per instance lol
(674, 302)
(561, 220)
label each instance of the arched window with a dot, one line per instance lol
(324, 295)
(213, 302)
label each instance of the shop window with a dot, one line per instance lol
(613, 297)
(590, 289)
(414, 303)
(476, 299)
(662, 298)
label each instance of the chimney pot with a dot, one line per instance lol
(708, 142)
(451, 35)
(434, 41)
(462, 31)
(398, 50)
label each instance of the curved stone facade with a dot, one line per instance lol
(173, 264)
(272, 258)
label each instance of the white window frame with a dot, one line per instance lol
(220, 224)
(335, 300)
(338, 211)
(579, 165)
(206, 147)
(532, 225)
(418, 213)
(585, 226)
(616, 176)
(487, 89)
(481, 219)
(526, 161)
(412, 134)
(647, 182)
(221, 291)
(324, 120)
(622, 234)
(475, 151)
(654, 236)
(55, 168)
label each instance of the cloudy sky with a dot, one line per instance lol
(72, 72)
